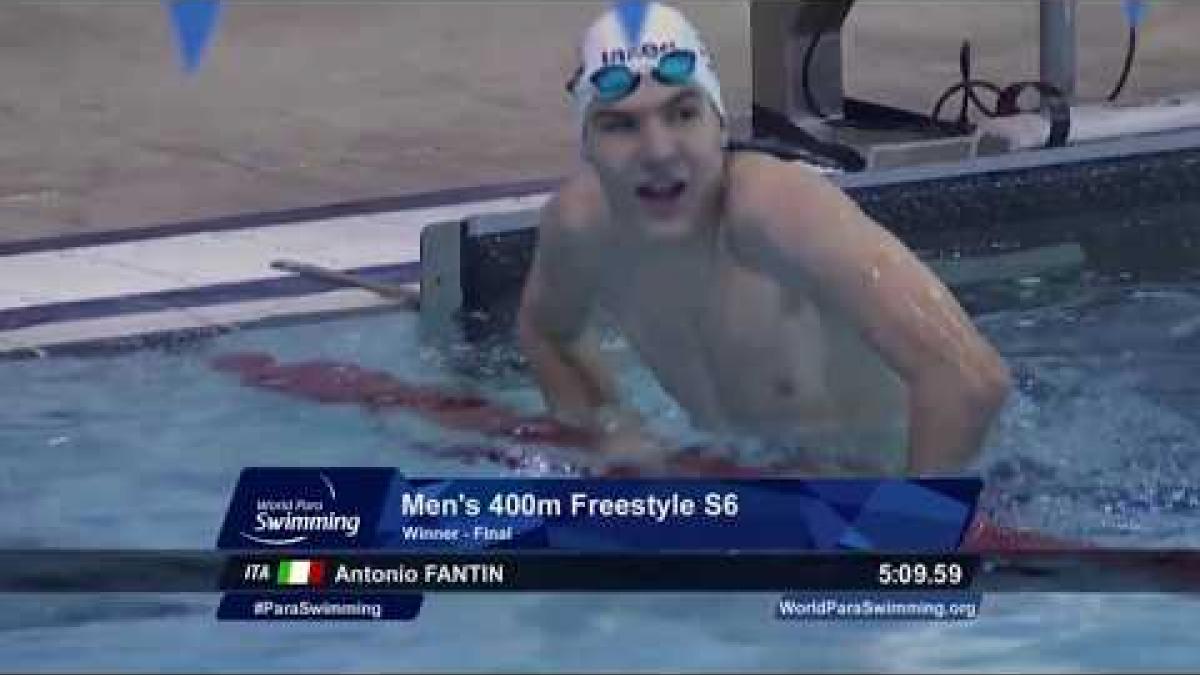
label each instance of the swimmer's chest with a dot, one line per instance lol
(721, 332)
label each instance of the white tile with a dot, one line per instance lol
(186, 261)
(70, 276)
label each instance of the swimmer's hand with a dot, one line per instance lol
(634, 449)
(624, 441)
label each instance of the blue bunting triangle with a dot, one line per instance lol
(1135, 11)
(193, 21)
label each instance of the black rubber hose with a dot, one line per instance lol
(1130, 50)
(964, 74)
(964, 68)
(967, 86)
(809, 99)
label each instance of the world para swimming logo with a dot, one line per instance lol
(304, 508)
(287, 522)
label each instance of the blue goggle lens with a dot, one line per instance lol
(675, 68)
(614, 82)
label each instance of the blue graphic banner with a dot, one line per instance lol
(319, 607)
(379, 509)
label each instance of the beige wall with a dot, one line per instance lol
(315, 102)
(906, 51)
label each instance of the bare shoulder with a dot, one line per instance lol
(771, 204)
(763, 188)
(795, 225)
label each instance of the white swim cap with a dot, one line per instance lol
(636, 34)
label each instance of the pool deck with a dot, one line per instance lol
(300, 106)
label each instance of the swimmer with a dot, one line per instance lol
(760, 295)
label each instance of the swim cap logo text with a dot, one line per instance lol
(646, 50)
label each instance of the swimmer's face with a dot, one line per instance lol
(660, 154)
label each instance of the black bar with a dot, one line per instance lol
(612, 572)
(98, 571)
(156, 571)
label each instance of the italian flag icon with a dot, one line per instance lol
(300, 572)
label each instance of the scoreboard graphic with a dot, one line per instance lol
(369, 543)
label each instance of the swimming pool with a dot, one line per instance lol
(141, 449)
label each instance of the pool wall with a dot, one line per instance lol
(1117, 208)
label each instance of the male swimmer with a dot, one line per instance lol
(762, 298)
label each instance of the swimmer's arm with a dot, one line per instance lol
(552, 330)
(809, 235)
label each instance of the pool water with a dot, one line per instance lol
(1101, 439)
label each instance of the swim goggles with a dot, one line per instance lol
(614, 82)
